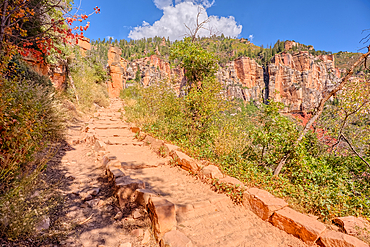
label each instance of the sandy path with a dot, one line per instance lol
(207, 218)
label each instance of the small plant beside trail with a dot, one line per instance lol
(235, 192)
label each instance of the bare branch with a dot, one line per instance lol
(198, 25)
(358, 155)
(366, 38)
(345, 123)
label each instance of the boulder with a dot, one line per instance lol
(231, 181)
(158, 146)
(184, 161)
(352, 225)
(163, 216)
(175, 238)
(108, 160)
(338, 239)
(125, 187)
(93, 203)
(211, 171)
(135, 129)
(297, 224)
(94, 191)
(100, 146)
(262, 203)
(141, 196)
(43, 224)
(114, 173)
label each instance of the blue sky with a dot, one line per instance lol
(331, 25)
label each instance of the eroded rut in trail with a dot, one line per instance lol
(92, 216)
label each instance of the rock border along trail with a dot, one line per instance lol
(183, 209)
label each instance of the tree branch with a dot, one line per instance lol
(358, 155)
(3, 20)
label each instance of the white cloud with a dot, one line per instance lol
(251, 37)
(172, 23)
(205, 3)
(160, 4)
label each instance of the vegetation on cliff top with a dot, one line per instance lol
(224, 48)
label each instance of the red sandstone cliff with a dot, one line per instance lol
(117, 69)
(243, 78)
(153, 69)
(298, 80)
(84, 45)
(57, 73)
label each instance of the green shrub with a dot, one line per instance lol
(89, 78)
(26, 204)
(30, 117)
(30, 120)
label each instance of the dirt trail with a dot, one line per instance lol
(205, 217)
(88, 214)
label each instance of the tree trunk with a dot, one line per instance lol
(2, 25)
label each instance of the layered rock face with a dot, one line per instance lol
(57, 73)
(243, 79)
(299, 80)
(117, 68)
(153, 69)
(84, 45)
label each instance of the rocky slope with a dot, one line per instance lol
(295, 79)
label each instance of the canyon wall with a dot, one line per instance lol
(297, 80)
(243, 79)
(151, 70)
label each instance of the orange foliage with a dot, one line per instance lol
(14, 37)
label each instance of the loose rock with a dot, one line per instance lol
(43, 224)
